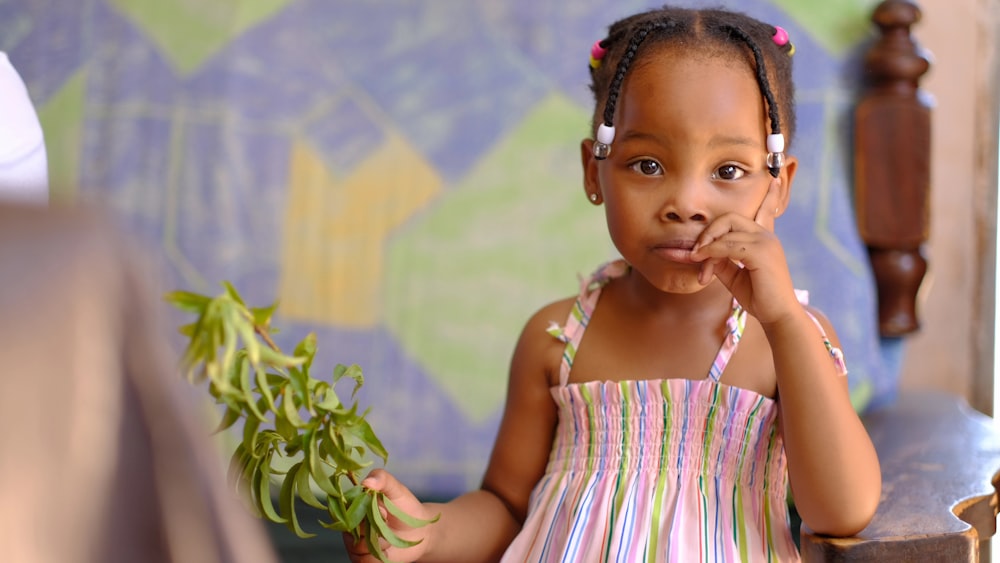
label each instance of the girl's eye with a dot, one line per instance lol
(647, 167)
(729, 172)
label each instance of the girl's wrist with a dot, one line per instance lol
(790, 323)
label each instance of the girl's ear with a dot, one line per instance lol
(591, 183)
(787, 175)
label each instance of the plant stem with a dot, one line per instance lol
(266, 338)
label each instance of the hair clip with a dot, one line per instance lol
(780, 39)
(596, 54)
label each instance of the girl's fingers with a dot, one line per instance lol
(730, 243)
(770, 207)
(733, 237)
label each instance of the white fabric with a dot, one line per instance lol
(24, 170)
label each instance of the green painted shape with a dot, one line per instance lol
(837, 25)
(190, 31)
(61, 118)
(464, 277)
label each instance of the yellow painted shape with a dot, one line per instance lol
(335, 231)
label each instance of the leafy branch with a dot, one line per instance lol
(288, 417)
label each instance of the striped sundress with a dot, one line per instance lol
(658, 470)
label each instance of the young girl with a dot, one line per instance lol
(660, 414)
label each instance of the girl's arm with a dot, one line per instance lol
(479, 525)
(832, 465)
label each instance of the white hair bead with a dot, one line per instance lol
(605, 134)
(776, 142)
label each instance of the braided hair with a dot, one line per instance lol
(633, 37)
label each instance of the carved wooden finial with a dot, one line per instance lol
(892, 165)
(896, 60)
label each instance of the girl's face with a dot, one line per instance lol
(689, 146)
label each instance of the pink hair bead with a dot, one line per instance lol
(597, 52)
(780, 36)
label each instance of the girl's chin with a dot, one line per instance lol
(680, 282)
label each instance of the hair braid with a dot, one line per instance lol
(761, 72)
(625, 61)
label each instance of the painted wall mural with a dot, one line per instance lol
(403, 175)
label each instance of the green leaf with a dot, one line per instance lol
(405, 518)
(357, 511)
(236, 463)
(264, 493)
(306, 349)
(341, 456)
(277, 359)
(263, 388)
(345, 417)
(248, 396)
(353, 372)
(375, 518)
(229, 418)
(284, 428)
(250, 427)
(250, 342)
(245, 483)
(304, 489)
(232, 293)
(262, 315)
(229, 350)
(337, 510)
(187, 301)
(330, 400)
(299, 381)
(373, 546)
(364, 431)
(312, 457)
(286, 501)
(289, 408)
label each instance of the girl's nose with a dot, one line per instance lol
(684, 202)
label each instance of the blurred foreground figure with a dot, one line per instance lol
(103, 457)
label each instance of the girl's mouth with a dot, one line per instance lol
(675, 250)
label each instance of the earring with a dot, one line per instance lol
(593, 197)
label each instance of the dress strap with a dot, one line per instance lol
(579, 316)
(836, 354)
(735, 325)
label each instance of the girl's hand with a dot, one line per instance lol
(747, 257)
(383, 481)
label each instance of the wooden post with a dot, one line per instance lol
(892, 165)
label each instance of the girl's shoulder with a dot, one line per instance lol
(555, 313)
(537, 352)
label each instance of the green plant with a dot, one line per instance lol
(296, 429)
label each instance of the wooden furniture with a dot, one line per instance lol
(940, 459)
(892, 165)
(940, 466)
